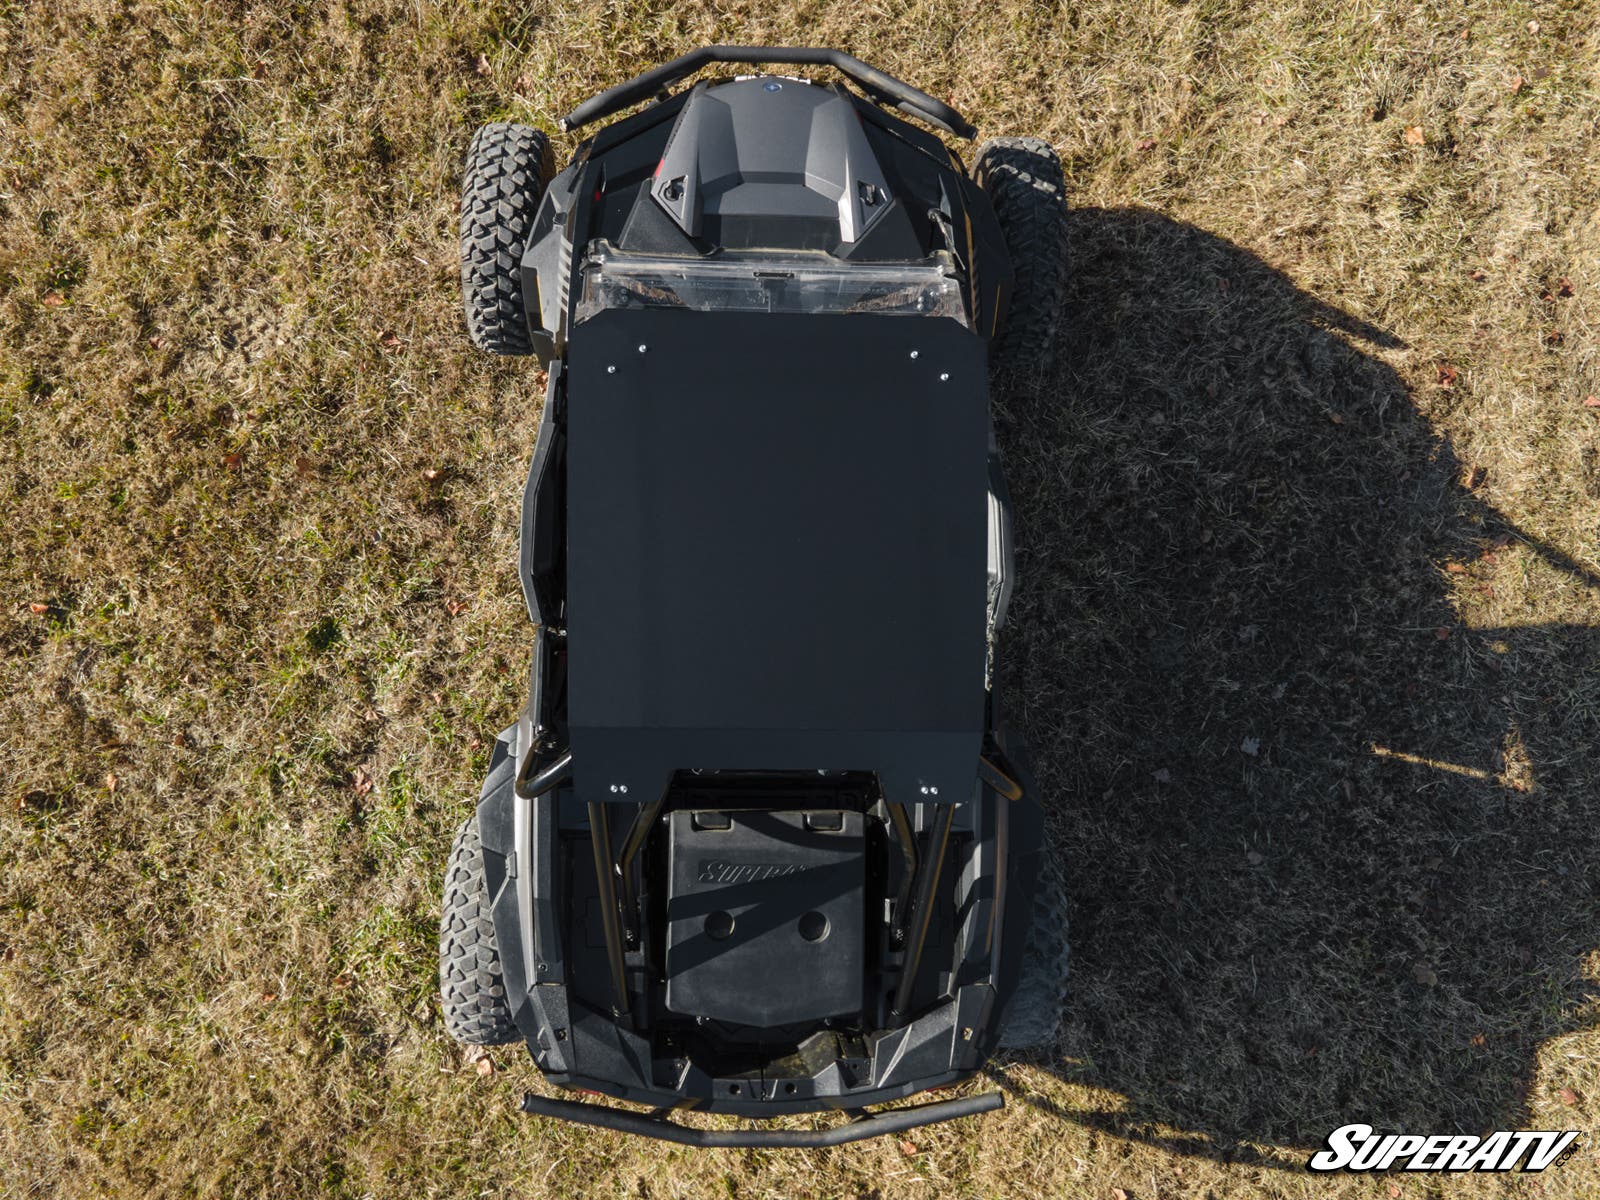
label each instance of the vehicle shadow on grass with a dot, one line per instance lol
(1332, 854)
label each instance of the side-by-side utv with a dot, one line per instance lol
(760, 842)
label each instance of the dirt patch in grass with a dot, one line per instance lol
(1305, 640)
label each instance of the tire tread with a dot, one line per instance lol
(477, 1010)
(1023, 179)
(508, 167)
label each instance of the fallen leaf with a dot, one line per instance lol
(157, 342)
(1442, 633)
(485, 1066)
(1119, 1194)
(1500, 541)
(1254, 857)
(1517, 84)
(54, 299)
(1415, 136)
(1564, 286)
(268, 997)
(360, 781)
(908, 1147)
(1553, 337)
(1447, 376)
(1161, 775)
(1533, 27)
(344, 980)
(1479, 1040)
(1424, 975)
(455, 607)
(1394, 1190)
(9, 953)
(1568, 1097)
(1479, 275)
(389, 339)
(39, 610)
(483, 65)
(111, 782)
(1591, 401)
(431, 474)
(1146, 144)
(232, 461)
(1336, 418)
(1474, 477)
(1455, 568)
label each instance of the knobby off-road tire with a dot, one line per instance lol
(476, 1009)
(1022, 177)
(1035, 1015)
(508, 167)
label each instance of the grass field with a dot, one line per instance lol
(1307, 639)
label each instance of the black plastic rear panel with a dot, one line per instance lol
(766, 915)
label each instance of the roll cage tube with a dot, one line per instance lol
(881, 87)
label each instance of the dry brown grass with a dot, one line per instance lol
(230, 354)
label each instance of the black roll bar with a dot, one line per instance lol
(605, 869)
(922, 911)
(882, 87)
(656, 1125)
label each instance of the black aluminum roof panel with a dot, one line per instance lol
(775, 547)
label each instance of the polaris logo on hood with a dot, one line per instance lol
(1358, 1148)
(715, 871)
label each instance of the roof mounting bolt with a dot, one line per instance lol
(611, 370)
(613, 787)
(623, 788)
(643, 347)
(944, 376)
(915, 353)
(924, 789)
(933, 791)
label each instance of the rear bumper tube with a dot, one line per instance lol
(656, 1125)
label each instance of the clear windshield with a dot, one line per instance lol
(786, 283)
